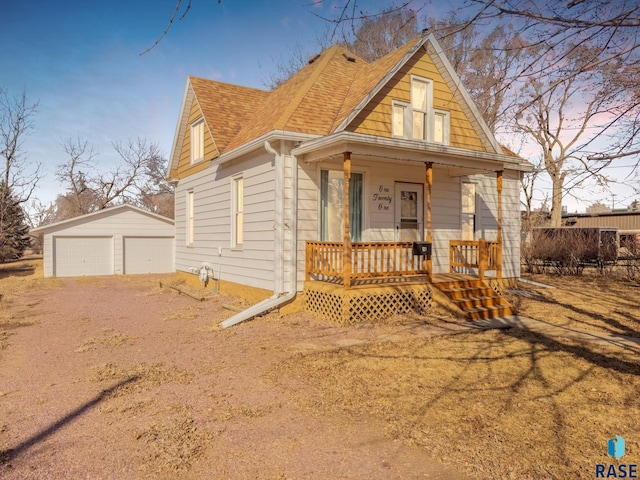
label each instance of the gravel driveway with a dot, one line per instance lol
(117, 378)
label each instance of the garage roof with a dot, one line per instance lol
(98, 214)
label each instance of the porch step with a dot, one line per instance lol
(475, 299)
(469, 303)
(467, 292)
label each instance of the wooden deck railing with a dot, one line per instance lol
(368, 260)
(483, 255)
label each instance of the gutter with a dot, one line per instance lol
(277, 298)
(255, 144)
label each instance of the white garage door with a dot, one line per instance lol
(148, 255)
(78, 256)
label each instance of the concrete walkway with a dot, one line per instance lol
(558, 331)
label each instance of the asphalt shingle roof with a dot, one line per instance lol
(315, 100)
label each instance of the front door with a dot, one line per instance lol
(408, 212)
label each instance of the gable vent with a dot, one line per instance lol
(349, 58)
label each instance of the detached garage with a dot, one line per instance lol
(116, 240)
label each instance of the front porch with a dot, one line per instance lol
(352, 281)
(375, 280)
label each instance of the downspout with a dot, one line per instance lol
(278, 219)
(277, 299)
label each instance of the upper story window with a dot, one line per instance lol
(418, 120)
(197, 141)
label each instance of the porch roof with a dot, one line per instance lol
(406, 151)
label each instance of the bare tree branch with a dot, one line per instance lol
(18, 174)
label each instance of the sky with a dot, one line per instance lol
(81, 61)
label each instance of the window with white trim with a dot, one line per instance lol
(420, 93)
(418, 120)
(237, 208)
(441, 127)
(197, 141)
(190, 219)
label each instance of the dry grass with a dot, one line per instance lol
(15, 278)
(140, 377)
(590, 302)
(498, 404)
(173, 446)
(111, 341)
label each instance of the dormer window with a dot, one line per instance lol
(418, 120)
(197, 141)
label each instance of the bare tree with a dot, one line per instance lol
(38, 213)
(483, 64)
(563, 115)
(19, 175)
(528, 183)
(136, 179)
(610, 28)
(375, 36)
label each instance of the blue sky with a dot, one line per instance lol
(81, 61)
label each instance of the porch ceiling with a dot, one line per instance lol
(400, 150)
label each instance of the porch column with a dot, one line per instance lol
(499, 253)
(428, 263)
(346, 249)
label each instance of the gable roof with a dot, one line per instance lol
(320, 99)
(101, 213)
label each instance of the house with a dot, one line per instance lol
(326, 184)
(116, 240)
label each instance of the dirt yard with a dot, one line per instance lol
(118, 378)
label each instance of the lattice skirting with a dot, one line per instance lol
(347, 307)
(501, 285)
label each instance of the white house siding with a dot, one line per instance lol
(511, 224)
(308, 192)
(253, 264)
(445, 216)
(115, 224)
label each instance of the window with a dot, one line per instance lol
(468, 226)
(441, 127)
(418, 120)
(190, 219)
(332, 206)
(237, 200)
(197, 141)
(399, 111)
(419, 94)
